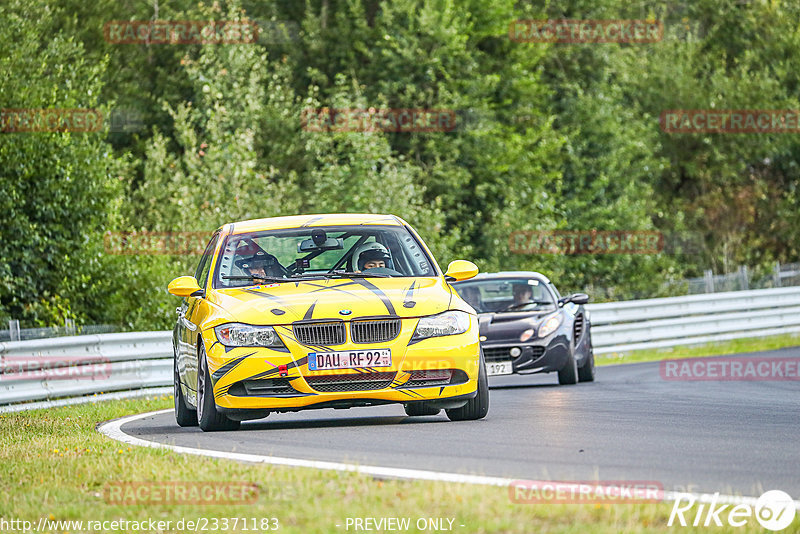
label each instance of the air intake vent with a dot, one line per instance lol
(319, 333)
(578, 328)
(354, 382)
(374, 331)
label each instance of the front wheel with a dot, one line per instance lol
(183, 414)
(208, 417)
(586, 373)
(568, 375)
(478, 406)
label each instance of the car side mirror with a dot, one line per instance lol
(185, 286)
(459, 270)
(575, 298)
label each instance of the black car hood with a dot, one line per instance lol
(507, 326)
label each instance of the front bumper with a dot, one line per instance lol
(539, 356)
(255, 378)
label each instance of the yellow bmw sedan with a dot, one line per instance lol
(323, 311)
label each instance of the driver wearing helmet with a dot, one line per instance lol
(260, 265)
(371, 256)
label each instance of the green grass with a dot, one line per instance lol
(54, 464)
(736, 346)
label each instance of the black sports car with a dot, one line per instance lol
(526, 326)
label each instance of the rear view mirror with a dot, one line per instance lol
(309, 245)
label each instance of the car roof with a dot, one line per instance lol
(319, 219)
(509, 274)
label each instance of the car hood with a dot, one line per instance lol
(509, 325)
(288, 302)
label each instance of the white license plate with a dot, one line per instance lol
(349, 359)
(499, 368)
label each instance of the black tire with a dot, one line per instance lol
(420, 408)
(586, 373)
(184, 415)
(478, 406)
(568, 375)
(208, 417)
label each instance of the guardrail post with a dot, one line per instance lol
(708, 275)
(777, 274)
(69, 327)
(13, 329)
(743, 278)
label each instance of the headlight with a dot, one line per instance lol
(246, 335)
(527, 334)
(444, 324)
(550, 326)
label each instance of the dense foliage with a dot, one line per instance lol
(548, 137)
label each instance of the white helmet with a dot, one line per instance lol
(370, 252)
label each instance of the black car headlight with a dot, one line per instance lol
(444, 324)
(550, 326)
(247, 335)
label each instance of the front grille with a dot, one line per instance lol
(578, 328)
(374, 331)
(270, 387)
(497, 354)
(500, 354)
(319, 333)
(354, 382)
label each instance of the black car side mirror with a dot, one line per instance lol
(575, 298)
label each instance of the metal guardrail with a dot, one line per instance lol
(668, 322)
(81, 365)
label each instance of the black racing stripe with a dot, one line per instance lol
(335, 288)
(310, 311)
(409, 302)
(441, 389)
(276, 370)
(267, 296)
(372, 287)
(222, 371)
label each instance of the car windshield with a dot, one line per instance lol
(315, 252)
(506, 295)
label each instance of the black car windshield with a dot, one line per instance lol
(506, 295)
(272, 256)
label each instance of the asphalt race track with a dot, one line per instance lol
(739, 437)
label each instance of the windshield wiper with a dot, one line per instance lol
(521, 304)
(353, 274)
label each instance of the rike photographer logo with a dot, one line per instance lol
(774, 510)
